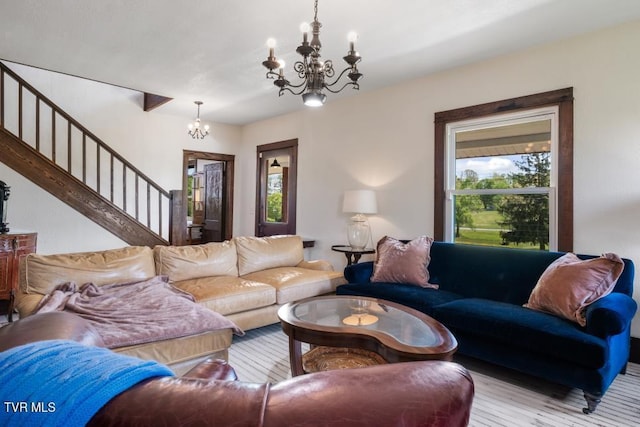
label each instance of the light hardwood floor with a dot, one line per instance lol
(503, 397)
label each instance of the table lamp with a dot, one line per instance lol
(360, 202)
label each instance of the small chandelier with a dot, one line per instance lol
(311, 69)
(194, 128)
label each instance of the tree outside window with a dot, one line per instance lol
(526, 218)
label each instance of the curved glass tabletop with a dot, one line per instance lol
(416, 330)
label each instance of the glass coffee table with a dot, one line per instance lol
(359, 331)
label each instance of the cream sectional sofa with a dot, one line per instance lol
(248, 278)
(245, 279)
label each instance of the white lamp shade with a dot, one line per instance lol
(360, 201)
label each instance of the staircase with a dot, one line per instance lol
(47, 146)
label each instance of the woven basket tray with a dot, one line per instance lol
(330, 358)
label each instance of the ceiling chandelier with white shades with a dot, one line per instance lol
(195, 129)
(311, 69)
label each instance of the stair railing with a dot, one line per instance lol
(53, 133)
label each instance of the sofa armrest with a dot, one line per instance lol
(427, 393)
(359, 273)
(318, 264)
(212, 369)
(55, 325)
(610, 315)
(185, 401)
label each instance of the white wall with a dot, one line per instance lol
(152, 141)
(384, 140)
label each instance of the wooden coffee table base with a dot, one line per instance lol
(311, 361)
(295, 357)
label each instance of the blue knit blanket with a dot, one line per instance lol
(64, 383)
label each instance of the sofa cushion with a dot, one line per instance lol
(532, 331)
(570, 284)
(422, 299)
(316, 264)
(228, 294)
(42, 273)
(294, 283)
(261, 253)
(495, 273)
(398, 262)
(190, 262)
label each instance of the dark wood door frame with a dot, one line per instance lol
(291, 146)
(229, 160)
(563, 98)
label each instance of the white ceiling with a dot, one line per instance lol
(212, 50)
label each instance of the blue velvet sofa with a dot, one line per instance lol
(480, 297)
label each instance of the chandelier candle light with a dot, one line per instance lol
(311, 69)
(194, 128)
(359, 202)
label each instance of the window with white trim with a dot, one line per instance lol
(500, 178)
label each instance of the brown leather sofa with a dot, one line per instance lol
(430, 393)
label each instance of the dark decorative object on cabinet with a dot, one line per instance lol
(4, 196)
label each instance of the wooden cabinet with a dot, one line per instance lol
(13, 246)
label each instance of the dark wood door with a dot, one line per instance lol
(214, 183)
(197, 160)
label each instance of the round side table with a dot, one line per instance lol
(353, 255)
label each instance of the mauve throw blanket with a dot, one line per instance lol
(136, 313)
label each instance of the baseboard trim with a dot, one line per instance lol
(634, 354)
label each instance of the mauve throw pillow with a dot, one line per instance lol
(398, 262)
(570, 284)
